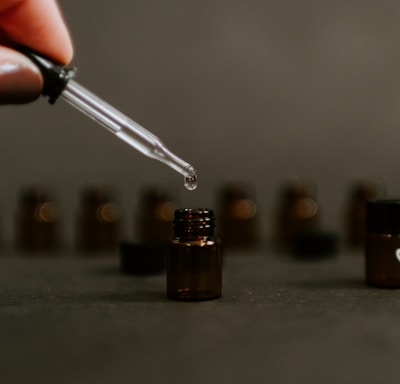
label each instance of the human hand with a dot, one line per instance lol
(37, 24)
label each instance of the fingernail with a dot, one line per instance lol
(20, 81)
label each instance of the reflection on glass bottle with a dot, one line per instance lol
(298, 212)
(153, 220)
(98, 220)
(37, 220)
(238, 224)
(355, 215)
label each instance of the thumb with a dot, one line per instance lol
(20, 80)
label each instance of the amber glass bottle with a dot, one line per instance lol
(155, 215)
(194, 265)
(382, 249)
(238, 217)
(361, 192)
(37, 220)
(98, 220)
(298, 213)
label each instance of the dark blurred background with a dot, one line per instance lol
(253, 91)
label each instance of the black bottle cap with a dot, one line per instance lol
(314, 245)
(142, 258)
(383, 216)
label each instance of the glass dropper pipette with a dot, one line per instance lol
(58, 82)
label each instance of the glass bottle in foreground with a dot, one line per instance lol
(194, 264)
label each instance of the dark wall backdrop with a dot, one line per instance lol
(247, 90)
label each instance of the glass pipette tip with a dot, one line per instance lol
(123, 127)
(58, 82)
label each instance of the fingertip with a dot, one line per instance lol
(68, 53)
(40, 25)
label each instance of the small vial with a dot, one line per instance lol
(361, 192)
(37, 220)
(98, 220)
(238, 216)
(299, 212)
(194, 265)
(382, 250)
(153, 219)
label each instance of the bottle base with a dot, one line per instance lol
(193, 295)
(384, 283)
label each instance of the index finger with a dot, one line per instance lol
(37, 24)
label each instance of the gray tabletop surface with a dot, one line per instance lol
(73, 320)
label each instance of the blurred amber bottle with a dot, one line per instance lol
(37, 220)
(98, 220)
(298, 212)
(238, 223)
(355, 215)
(153, 220)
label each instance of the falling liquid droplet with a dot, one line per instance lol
(191, 182)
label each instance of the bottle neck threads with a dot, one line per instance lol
(193, 223)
